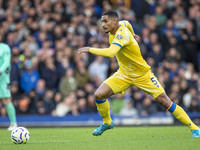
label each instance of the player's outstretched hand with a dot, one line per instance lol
(83, 50)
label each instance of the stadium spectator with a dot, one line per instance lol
(98, 69)
(82, 105)
(157, 54)
(89, 89)
(160, 16)
(57, 97)
(14, 89)
(173, 55)
(65, 107)
(34, 101)
(68, 83)
(117, 103)
(153, 39)
(198, 98)
(49, 102)
(190, 44)
(128, 109)
(49, 72)
(30, 43)
(187, 98)
(146, 107)
(29, 77)
(40, 88)
(24, 105)
(194, 107)
(81, 74)
(15, 65)
(45, 52)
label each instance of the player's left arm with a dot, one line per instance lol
(6, 60)
(106, 52)
(130, 28)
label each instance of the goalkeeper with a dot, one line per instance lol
(5, 95)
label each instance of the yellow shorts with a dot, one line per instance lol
(148, 83)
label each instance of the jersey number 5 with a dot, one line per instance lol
(155, 82)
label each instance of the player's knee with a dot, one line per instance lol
(98, 95)
(6, 101)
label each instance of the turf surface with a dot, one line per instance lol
(119, 138)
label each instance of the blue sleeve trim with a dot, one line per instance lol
(100, 101)
(117, 44)
(172, 108)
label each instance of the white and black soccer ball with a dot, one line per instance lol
(20, 135)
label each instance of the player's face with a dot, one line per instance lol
(108, 24)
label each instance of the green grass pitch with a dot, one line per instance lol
(119, 138)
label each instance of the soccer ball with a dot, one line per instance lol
(20, 135)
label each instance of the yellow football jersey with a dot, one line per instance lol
(129, 57)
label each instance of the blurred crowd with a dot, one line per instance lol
(49, 77)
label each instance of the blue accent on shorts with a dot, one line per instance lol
(100, 101)
(172, 108)
(117, 44)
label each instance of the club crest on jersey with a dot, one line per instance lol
(119, 37)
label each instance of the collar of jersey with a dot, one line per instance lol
(116, 31)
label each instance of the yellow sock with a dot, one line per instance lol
(104, 109)
(181, 115)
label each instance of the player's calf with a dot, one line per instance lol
(179, 113)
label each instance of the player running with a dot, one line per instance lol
(5, 95)
(133, 71)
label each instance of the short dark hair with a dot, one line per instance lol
(111, 14)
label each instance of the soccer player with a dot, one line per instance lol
(133, 71)
(5, 95)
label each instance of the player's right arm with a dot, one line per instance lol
(6, 59)
(106, 52)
